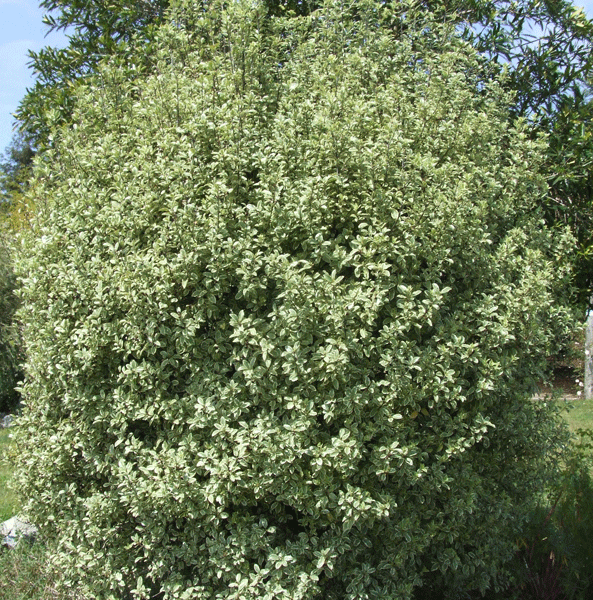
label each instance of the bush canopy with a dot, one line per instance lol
(284, 312)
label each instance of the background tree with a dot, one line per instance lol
(570, 175)
(16, 167)
(96, 29)
(545, 46)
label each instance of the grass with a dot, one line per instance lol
(579, 413)
(9, 504)
(27, 574)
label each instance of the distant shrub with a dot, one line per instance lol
(284, 314)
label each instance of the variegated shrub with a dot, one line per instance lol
(284, 313)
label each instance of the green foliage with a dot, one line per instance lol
(15, 168)
(15, 211)
(284, 312)
(547, 50)
(545, 46)
(556, 556)
(96, 29)
(571, 181)
(16, 172)
(10, 344)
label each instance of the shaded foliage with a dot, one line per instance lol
(570, 176)
(10, 346)
(16, 167)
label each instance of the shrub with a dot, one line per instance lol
(284, 314)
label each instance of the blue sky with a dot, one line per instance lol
(21, 30)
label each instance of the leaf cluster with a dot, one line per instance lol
(544, 46)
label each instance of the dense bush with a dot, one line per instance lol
(284, 314)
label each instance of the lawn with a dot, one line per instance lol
(579, 413)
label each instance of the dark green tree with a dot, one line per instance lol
(96, 29)
(570, 175)
(16, 166)
(545, 46)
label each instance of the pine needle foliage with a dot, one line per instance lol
(284, 309)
